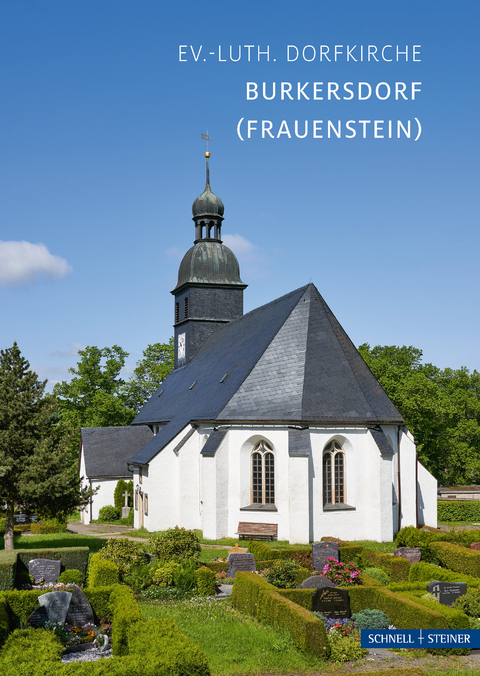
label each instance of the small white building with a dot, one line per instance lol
(104, 454)
(269, 417)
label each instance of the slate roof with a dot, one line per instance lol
(108, 449)
(288, 361)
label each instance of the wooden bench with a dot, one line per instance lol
(256, 531)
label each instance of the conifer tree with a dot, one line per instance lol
(34, 469)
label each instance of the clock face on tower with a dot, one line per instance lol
(181, 346)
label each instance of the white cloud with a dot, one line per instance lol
(72, 351)
(239, 245)
(254, 263)
(24, 263)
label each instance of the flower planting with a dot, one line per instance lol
(342, 574)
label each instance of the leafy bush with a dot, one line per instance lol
(72, 576)
(378, 574)
(48, 526)
(176, 544)
(102, 572)
(469, 603)
(283, 574)
(126, 554)
(108, 513)
(184, 577)
(139, 578)
(457, 558)
(163, 576)
(371, 619)
(345, 648)
(342, 574)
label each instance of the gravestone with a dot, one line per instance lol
(412, 554)
(80, 611)
(315, 582)
(475, 545)
(240, 561)
(332, 603)
(47, 568)
(321, 551)
(22, 519)
(56, 604)
(447, 592)
(38, 617)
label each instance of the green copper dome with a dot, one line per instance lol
(209, 262)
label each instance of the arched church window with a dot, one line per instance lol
(263, 475)
(333, 474)
(186, 307)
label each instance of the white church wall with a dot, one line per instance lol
(172, 484)
(371, 516)
(241, 443)
(300, 506)
(408, 480)
(426, 497)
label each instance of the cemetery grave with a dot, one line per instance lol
(175, 566)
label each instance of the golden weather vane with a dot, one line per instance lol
(207, 139)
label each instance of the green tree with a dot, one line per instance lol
(157, 362)
(441, 409)
(95, 396)
(33, 447)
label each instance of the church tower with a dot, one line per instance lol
(209, 290)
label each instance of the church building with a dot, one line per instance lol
(271, 417)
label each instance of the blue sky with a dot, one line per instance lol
(101, 158)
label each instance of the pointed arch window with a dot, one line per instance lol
(263, 474)
(333, 474)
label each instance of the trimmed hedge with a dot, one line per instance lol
(403, 613)
(395, 566)
(8, 569)
(427, 572)
(457, 558)
(125, 613)
(206, 581)
(15, 562)
(99, 598)
(455, 618)
(4, 623)
(102, 572)
(464, 510)
(254, 595)
(302, 597)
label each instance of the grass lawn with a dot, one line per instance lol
(232, 642)
(56, 540)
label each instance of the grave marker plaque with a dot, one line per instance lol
(332, 603)
(240, 561)
(47, 568)
(475, 545)
(321, 551)
(80, 611)
(412, 554)
(38, 617)
(447, 592)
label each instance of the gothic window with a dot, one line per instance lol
(333, 474)
(263, 475)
